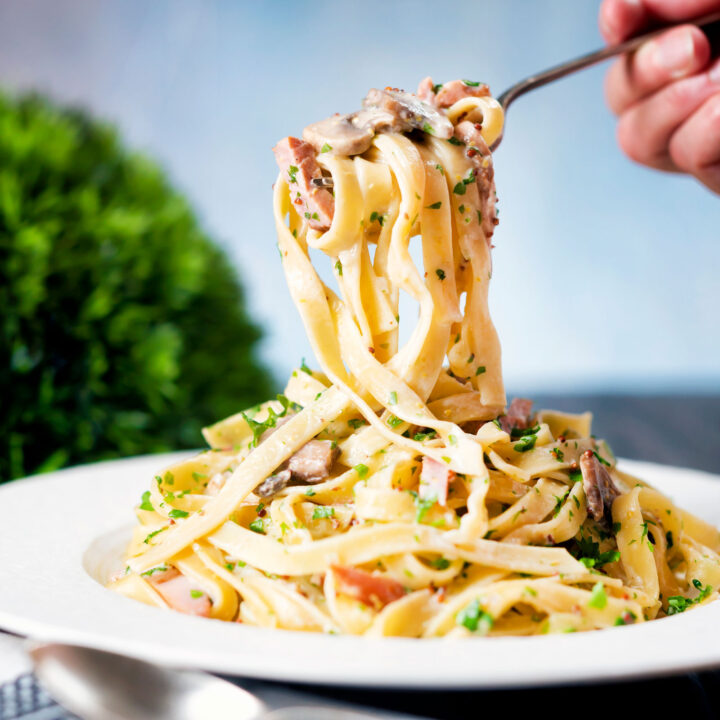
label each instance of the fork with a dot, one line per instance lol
(709, 23)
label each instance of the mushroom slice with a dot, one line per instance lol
(410, 112)
(340, 135)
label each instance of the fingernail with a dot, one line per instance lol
(675, 53)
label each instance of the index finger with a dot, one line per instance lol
(621, 19)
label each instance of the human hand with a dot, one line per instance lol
(666, 94)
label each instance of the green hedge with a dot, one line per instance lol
(122, 326)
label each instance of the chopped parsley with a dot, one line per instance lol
(558, 454)
(435, 206)
(427, 127)
(152, 571)
(309, 492)
(323, 512)
(440, 273)
(601, 559)
(195, 594)
(517, 432)
(326, 148)
(436, 88)
(527, 442)
(145, 503)
(481, 369)
(258, 428)
(421, 436)
(394, 421)
(392, 400)
(598, 597)
(356, 423)
(459, 188)
(471, 83)
(474, 618)
(440, 168)
(175, 513)
(601, 459)
(588, 553)
(338, 267)
(479, 217)
(440, 563)
(455, 141)
(153, 534)
(559, 500)
(258, 526)
(422, 506)
(575, 476)
(361, 470)
(679, 603)
(292, 172)
(305, 368)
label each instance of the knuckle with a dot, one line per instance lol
(679, 95)
(698, 142)
(714, 116)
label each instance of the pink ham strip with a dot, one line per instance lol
(450, 92)
(479, 153)
(456, 90)
(317, 205)
(372, 590)
(517, 415)
(435, 478)
(178, 591)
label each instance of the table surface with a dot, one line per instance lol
(674, 430)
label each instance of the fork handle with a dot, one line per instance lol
(710, 23)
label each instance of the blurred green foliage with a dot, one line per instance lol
(122, 326)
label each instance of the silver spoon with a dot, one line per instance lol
(99, 685)
(558, 72)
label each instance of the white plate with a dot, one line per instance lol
(61, 530)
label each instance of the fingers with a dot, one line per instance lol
(621, 19)
(678, 53)
(695, 147)
(646, 128)
(674, 10)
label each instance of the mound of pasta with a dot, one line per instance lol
(394, 491)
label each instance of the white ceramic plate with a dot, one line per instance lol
(60, 531)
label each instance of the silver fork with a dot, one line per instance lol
(584, 61)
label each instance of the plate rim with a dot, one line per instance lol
(154, 635)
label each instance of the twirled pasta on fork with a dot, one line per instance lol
(393, 491)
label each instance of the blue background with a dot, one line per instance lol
(605, 272)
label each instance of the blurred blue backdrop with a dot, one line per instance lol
(606, 274)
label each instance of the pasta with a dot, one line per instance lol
(393, 492)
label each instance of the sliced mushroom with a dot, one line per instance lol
(410, 112)
(600, 490)
(274, 484)
(340, 135)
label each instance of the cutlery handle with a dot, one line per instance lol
(316, 712)
(710, 24)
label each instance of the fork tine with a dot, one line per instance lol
(326, 182)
